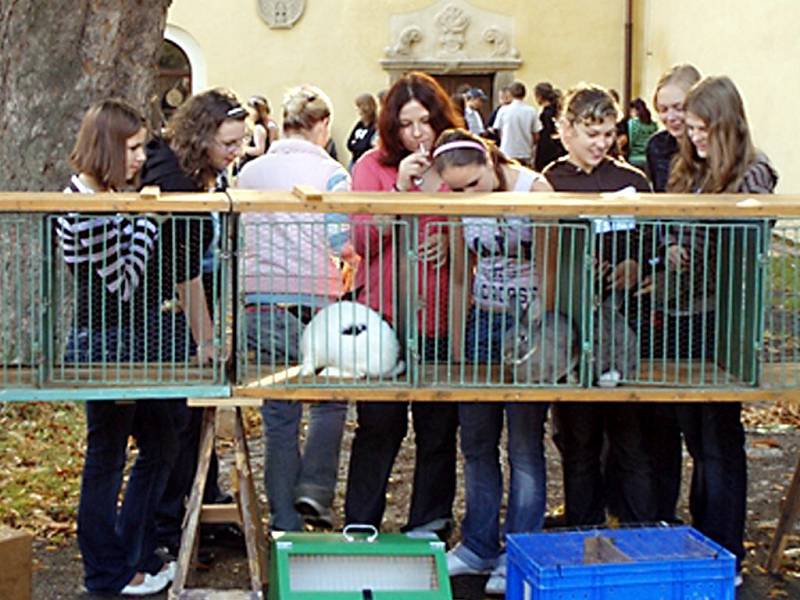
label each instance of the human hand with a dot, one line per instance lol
(412, 168)
(677, 257)
(624, 275)
(435, 249)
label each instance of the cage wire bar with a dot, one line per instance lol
(781, 338)
(101, 299)
(426, 300)
(20, 301)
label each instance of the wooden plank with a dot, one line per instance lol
(191, 519)
(55, 202)
(237, 401)
(790, 511)
(220, 513)
(14, 376)
(520, 394)
(551, 204)
(255, 541)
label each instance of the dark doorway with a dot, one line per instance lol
(174, 84)
(451, 83)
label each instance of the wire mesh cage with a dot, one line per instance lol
(781, 340)
(676, 303)
(323, 301)
(134, 300)
(512, 304)
(20, 299)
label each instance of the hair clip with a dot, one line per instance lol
(236, 112)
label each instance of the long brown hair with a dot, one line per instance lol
(461, 157)
(193, 127)
(100, 149)
(424, 89)
(716, 102)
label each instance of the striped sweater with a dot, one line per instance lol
(110, 258)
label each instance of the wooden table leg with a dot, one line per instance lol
(191, 520)
(786, 522)
(251, 515)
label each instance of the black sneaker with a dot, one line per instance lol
(313, 512)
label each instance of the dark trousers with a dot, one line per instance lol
(381, 429)
(663, 437)
(171, 507)
(715, 439)
(117, 542)
(582, 430)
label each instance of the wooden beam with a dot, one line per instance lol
(519, 394)
(220, 513)
(539, 204)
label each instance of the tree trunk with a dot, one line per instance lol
(58, 57)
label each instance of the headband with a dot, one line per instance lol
(459, 144)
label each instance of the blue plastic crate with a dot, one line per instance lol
(643, 563)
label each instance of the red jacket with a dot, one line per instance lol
(375, 277)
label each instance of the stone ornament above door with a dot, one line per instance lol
(451, 36)
(281, 14)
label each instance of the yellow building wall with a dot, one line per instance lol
(754, 43)
(337, 45)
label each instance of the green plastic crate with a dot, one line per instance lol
(357, 564)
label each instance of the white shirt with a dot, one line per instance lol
(474, 120)
(517, 122)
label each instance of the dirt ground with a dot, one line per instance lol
(773, 449)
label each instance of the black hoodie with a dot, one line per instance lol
(190, 234)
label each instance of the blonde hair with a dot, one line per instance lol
(589, 103)
(682, 75)
(303, 107)
(716, 102)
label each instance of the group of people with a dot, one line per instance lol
(422, 146)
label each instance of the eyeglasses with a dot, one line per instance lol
(230, 145)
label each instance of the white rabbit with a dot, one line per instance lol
(349, 339)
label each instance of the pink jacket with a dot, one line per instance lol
(375, 277)
(288, 256)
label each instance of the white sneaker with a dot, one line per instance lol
(496, 584)
(456, 566)
(169, 572)
(152, 584)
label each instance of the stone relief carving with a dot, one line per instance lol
(281, 14)
(405, 42)
(451, 36)
(453, 23)
(498, 40)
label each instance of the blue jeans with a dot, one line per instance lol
(115, 544)
(715, 440)
(288, 473)
(481, 428)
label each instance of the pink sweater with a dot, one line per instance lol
(375, 277)
(288, 256)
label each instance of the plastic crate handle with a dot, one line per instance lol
(349, 530)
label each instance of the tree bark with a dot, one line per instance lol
(57, 58)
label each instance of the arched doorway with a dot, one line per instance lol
(174, 83)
